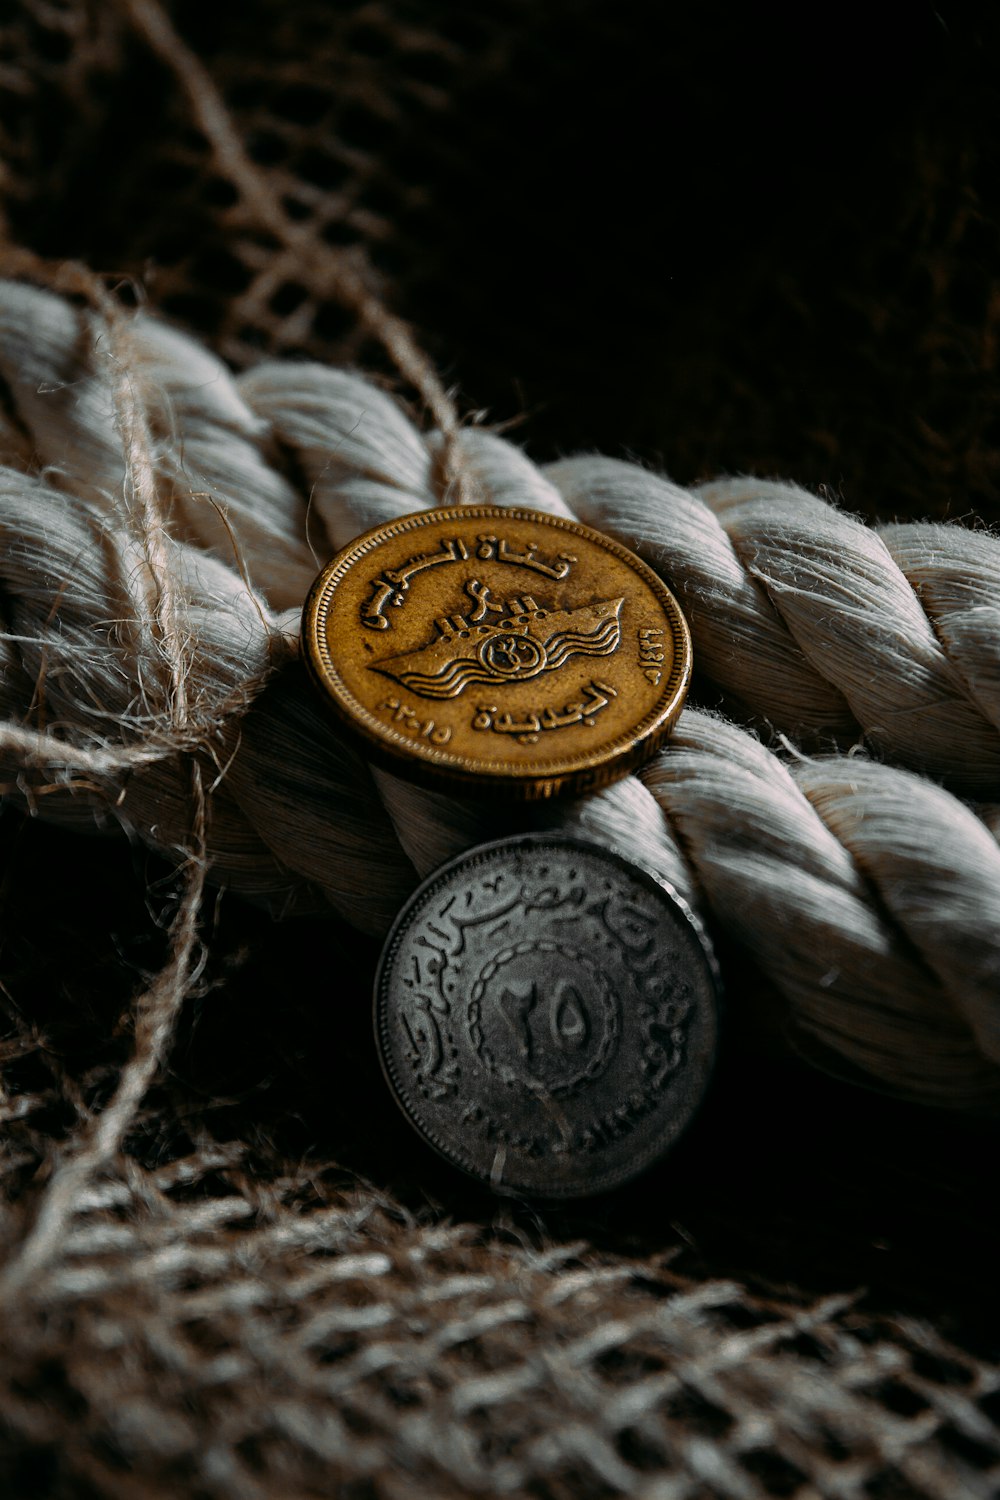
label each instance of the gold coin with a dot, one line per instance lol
(495, 649)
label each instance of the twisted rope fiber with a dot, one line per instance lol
(869, 896)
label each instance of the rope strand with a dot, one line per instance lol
(865, 893)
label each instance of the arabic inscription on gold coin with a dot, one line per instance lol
(498, 649)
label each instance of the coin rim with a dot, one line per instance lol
(419, 762)
(481, 853)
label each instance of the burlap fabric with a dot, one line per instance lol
(715, 244)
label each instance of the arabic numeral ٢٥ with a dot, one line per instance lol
(568, 1026)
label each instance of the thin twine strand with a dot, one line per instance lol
(156, 1012)
(158, 1008)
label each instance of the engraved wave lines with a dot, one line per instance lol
(447, 683)
(566, 643)
(457, 674)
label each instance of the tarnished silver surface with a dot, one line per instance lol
(546, 1014)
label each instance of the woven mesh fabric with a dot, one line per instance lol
(649, 232)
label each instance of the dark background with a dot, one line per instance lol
(720, 237)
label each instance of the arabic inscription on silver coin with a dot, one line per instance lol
(546, 1014)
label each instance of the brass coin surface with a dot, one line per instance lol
(494, 648)
(546, 1014)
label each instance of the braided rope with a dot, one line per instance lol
(868, 895)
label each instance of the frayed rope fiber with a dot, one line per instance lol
(162, 520)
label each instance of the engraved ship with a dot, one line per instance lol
(526, 641)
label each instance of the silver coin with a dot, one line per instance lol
(546, 1015)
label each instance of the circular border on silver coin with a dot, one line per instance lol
(546, 1013)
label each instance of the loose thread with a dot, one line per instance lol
(157, 1009)
(156, 1012)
